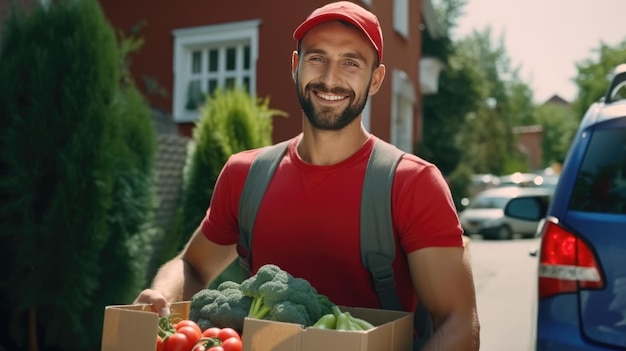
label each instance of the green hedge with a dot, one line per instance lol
(76, 151)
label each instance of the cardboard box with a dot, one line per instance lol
(134, 327)
(393, 332)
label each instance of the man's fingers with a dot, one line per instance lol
(156, 299)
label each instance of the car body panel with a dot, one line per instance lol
(590, 202)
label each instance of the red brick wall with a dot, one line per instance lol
(529, 139)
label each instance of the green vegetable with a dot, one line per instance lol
(363, 324)
(328, 321)
(339, 320)
(325, 304)
(223, 307)
(276, 295)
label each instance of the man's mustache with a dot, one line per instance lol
(321, 87)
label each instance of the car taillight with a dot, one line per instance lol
(566, 263)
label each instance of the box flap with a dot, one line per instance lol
(129, 327)
(394, 331)
(135, 327)
(265, 335)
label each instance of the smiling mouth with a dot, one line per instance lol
(331, 97)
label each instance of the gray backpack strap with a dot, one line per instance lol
(259, 177)
(378, 248)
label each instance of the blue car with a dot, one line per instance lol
(581, 297)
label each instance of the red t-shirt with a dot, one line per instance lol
(308, 222)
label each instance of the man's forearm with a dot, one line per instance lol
(177, 281)
(455, 337)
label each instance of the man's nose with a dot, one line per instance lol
(331, 75)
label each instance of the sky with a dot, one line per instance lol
(546, 38)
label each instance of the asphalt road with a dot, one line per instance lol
(504, 276)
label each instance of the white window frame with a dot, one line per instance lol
(401, 17)
(188, 40)
(403, 101)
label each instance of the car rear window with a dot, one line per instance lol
(601, 182)
(489, 202)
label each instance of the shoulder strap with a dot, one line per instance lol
(378, 248)
(257, 180)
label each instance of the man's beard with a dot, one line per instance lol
(326, 118)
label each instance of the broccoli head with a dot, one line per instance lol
(225, 306)
(325, 304)
(277, 295)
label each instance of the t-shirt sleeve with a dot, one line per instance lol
(424, 212)
(220, 224)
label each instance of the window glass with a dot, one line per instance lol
(213, 60)
(601, 182)
(246, 57)
(196, 62)
(489, 202)
(212, 57)
(231, 59)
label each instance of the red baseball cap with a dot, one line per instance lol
(348, 11)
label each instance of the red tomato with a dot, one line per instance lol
(226, 333)
(160, 344)
(190, 323)
(191, 333)
(232, 344)
(216, 348)
(211, 333)
(178, 342)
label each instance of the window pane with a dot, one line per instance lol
(230, 83)
(213, 58)
(246, 57)
(246, 84)
(196, 62)
(212, 85)
(601, 182)
(195, 97)
(231, 59)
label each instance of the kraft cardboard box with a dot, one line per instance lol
(393, 332)
(134, 327)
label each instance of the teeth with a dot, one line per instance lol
(331, 97)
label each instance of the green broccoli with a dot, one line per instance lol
(325, 304)
(277, 295)
(225, 306)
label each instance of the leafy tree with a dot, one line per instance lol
(559, 125)
(75, 178)
(230, 121)
(445, 111)
(594, 75)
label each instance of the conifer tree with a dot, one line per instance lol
(76, 152)
(231, 121)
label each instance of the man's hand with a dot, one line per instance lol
(156, 299)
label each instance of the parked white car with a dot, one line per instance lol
(485, 213)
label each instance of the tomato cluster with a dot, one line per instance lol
(186, 335)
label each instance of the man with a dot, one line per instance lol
(308, 221)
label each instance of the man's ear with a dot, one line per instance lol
(377, 79)
(295, 60)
